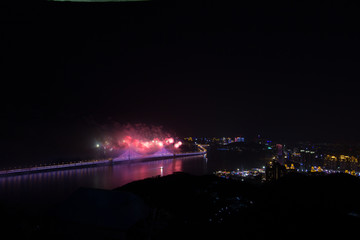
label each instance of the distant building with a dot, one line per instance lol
(341, 162)
(279, 153)
(274, 170)
(279, 148)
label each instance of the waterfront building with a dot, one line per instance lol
(274, 170)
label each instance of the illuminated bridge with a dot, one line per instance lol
(126, 156)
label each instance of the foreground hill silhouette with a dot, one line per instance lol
(207, 206)
(181, 206)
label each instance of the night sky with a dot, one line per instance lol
(287, 71)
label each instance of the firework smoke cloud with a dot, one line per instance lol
(141, 138)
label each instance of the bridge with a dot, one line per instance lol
(128, 155)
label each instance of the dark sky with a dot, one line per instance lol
(288, 71)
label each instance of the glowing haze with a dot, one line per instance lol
(141, 138)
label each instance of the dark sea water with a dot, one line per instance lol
(44, 188)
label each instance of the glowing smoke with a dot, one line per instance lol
(139, 138)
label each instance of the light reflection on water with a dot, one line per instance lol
(46, 188)
(43, 188)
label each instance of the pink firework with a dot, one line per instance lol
(169, 141)
(140, 138)
(178, 144)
